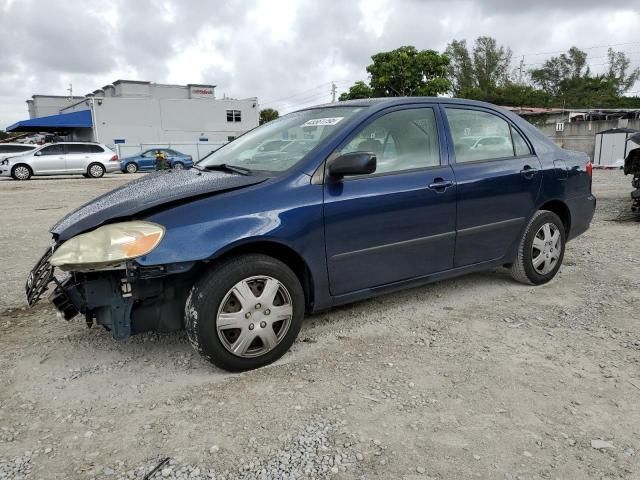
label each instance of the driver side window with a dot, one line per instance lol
(401, 140)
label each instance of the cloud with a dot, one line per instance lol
(285, 52)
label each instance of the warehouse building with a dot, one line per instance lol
(130, 114)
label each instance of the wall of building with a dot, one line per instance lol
(45, 105)
(580, 136)
(138, 120)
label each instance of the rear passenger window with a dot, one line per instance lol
(480, 135)
(401, 140)
(75, 148)
(94, 149)
(521, 147)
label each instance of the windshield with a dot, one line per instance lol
(280, 144)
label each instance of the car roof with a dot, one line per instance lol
(390, 101)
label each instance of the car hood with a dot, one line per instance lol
(152, 190)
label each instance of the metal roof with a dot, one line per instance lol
(617, 130)
(79, 119)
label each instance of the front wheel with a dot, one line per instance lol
(246, 313)
(131, 168)
(21, 172)
(541, 249)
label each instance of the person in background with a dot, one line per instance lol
(161, 161)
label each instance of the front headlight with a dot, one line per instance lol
(110, 244)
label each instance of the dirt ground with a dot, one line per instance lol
(478, 377)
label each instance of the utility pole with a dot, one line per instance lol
(334, 90)
(70, 90)
(521, 68)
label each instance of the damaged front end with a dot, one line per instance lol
(125, 299)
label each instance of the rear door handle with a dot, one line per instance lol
(528, 171)
(440, 184)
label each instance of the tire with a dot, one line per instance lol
(178, 166)
(130, 168)
(95, 170)
(537, 264)
(212, 312)
(21, 172)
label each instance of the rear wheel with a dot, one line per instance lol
(541, 249)
(178, 166)
(21, 172)
(95, 170)
(246, 313)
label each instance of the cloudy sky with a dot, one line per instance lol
(285, 52)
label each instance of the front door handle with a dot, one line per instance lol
(528, 171)
(440, 184)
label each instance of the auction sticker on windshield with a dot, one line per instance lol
(316, 122)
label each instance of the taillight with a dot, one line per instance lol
(114, 158)
(589, 169)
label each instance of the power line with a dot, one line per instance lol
(301, 101)
(582, 48)
(303, 92)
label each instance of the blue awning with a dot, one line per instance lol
(80, 119)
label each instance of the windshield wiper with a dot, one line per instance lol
(229, 168)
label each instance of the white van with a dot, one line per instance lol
(92, 160)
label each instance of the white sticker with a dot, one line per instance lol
(316, 122)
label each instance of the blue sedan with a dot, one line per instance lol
(386, 194)
(146, 160)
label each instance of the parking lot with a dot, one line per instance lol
(473, 377)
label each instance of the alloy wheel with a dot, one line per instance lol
(546, 248)
(132, 168)
(21, 172)
(96, 171)
(178, 166)
(254, 316)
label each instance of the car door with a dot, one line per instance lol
(171, 156)
(498, 181)
(147, 160)
(77, 158)
(399, 222)
(49, 160)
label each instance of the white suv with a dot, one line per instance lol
(92, 160)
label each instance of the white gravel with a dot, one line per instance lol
(477, 377)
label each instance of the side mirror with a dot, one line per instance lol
(355, 163)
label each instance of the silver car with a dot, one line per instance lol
(15, 148)
(92, 160)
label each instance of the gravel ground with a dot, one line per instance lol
(477, 377)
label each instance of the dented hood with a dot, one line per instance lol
(150, 191)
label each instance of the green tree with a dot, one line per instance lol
(619, 73)
(4, 135)
(490, 64)
(407, 71)
(268, 114)
(557, 73)
(358, 90)
(460, 68)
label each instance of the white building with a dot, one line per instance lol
(130, 115)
